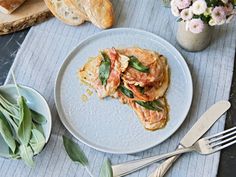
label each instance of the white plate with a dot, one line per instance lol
(107, 125)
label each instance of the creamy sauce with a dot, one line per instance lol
(89, 92)
(84, 98)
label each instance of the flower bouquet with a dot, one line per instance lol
(197, 18)
(196, 13)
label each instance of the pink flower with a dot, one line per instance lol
(186, 14)
(196, 25)
(174, 8)
(218, 14)
(199, 7)
(228, 9)
(182, 4)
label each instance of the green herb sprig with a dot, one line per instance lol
(21, 128)
(126, 91)
(77, 155)
(136, 64)
(104, 68)
(155, 105)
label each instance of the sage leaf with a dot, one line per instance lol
(9, 119)
(74, 152)
(37, 141)
(104, 68)
(126, 91)
(16, 154)
(27, 154)
(38, 118)
(106, 170)
(155, 105)
(136, 64)
(25, 124)
(141, 89)
(6, 133)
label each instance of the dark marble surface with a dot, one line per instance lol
(9, 45)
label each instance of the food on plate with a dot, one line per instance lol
(137, 77)
(8, 6)
(76, 12)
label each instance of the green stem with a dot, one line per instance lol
(88, 171)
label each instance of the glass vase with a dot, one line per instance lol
(193, 42)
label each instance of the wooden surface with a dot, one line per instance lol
(30, 13)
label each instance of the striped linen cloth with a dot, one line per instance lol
(45, 49)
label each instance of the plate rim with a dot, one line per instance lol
(68, 59)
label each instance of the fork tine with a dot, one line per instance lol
(224, 141)
(224, 146)
(226, 131)
(212, 140)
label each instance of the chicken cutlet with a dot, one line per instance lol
(137, 77)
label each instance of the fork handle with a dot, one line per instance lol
(132, 166)
(165, 166)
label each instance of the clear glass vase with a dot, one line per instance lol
(191, 41)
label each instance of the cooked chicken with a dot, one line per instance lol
(136, 77)
(89, 73)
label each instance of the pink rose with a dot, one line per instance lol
(228, 9)
(196, 25)
(182, 4)
(219, 15)
(186, 14)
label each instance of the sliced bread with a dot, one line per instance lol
(64, 12)
(77, 6)
(8, 6)
(100, 12)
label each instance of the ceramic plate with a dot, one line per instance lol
(107, 125)
(35, 101)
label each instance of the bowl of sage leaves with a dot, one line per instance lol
(25, 123)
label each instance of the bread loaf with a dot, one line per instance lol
(64, 12)
(8, 6)
(100, 12)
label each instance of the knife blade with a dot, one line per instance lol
(202, 125)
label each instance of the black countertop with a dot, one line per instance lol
(9, 45)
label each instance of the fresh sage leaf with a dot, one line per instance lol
(25, 124)
(26, 154)
(9, 119)
(74, 152)
(38, 118)
(10, 107)
(141, 89)
(37, 141)
(106, 170)
(136, 64)
(104, 69)
(126, 91)
(155, 105)
(16, 154)
(6, 133)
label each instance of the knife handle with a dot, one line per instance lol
(165, 166)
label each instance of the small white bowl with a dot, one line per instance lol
(35, 101)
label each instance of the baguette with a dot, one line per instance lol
(77, 6)
(8, 6)
(64, 12)
(100, 12)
